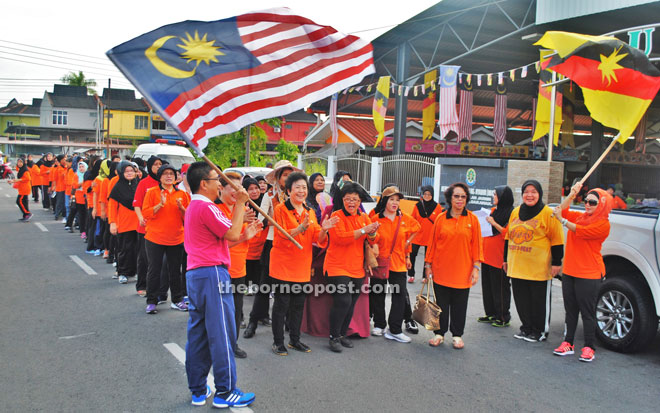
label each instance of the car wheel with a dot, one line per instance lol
(625, 315)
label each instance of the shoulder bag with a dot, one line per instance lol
(427, 312)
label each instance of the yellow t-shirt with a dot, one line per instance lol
(528, 256)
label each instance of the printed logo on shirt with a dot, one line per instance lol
(521, 234)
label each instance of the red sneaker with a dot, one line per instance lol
(564, 349)
(588, 354)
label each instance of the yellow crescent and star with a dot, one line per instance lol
(608, 65)
(195, 49)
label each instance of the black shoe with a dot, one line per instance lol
(335, 345)
(521, 335)
(300, 346)
(345, 342)
(280, 350)
(110, 259)
(411, 327)
(266, 322)
(250, 330)
(534, 337)
(485, 319)
(239, 353)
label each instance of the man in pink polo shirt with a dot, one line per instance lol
(211, 326)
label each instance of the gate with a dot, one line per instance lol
(409, 172)
(312, 163)
(359, 166)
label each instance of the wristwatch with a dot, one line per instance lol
(362, 231)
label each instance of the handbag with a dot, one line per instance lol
(370, 258)
(427, 312)
(382, 271)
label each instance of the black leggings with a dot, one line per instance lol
(398, 308)
(22, 202)
(580, 297)
(413, 258)
(288, 308)
(155, 254)
(343, 303)
(496, 291)
(261, 303)
(127, 253)
(454, 303)
(533, 300)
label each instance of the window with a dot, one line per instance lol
(158, 124)
(9, 123)
(60, 117)
(141, 122)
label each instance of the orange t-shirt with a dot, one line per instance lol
(35, 173)
(45, 172)
(619, 203)
(23, 185)
(70, 178)
(238, 252)
(455, 246)
(103, 193)
(256, 245)
(494, 249)
(386, 231)
(60, 179)
(288, 262)
(97, 184)
(125, 218)
(345, 255)
(582, 258)
(112, 184)
(86, 186)
(423, 237)
(165, 227)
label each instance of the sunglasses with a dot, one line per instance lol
(591, 202)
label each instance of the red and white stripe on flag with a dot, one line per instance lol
(333, 120)
(447, 116)
(301, 62)
(499, 123)
(465, 116)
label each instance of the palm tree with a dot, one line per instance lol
(79, 79)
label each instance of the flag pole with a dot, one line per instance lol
(602, 156)
(255, 206)
(553, 98)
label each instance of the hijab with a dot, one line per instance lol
(124, 190)
(311, 193)
(150, 163)
(22, 170)
(112, 166)
(81, 175)
(426, 208)
(528, 212)
(605, 203)
(247, 181)
(502, 212)
(335, 188)
(43, 161)
(104, 168)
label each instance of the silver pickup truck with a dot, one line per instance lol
(628, 306)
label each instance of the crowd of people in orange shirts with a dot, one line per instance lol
(132, 213)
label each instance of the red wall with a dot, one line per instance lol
(293, 132)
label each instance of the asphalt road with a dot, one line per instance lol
(72, 342)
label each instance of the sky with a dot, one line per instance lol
(58, 37)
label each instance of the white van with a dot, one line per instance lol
(174, 154)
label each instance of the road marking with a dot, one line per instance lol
(76, 336)
(82, 265)
(41, 226)
(8, 196)
(180, 355)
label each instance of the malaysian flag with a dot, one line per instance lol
(333, 120)
(499, 121)
(447, 118)
(212, 78)
(465, 111)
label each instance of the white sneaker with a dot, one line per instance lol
(401, 338)
(64, 220)
(123, 279)
(377, 332)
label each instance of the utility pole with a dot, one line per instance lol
(107, 133)
(247, 145)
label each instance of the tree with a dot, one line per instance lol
(286, 150)
(73, 79)
(222, 149)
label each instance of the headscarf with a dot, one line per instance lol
(528, 212)
(104, 168)
(502, 212)
(45, 162)
(426, 208)
(29, 163)
(22, 170)
(311, 193)
(247, 181)
(605, 204)
(335, 188)
(150, 163)
(160, 173)
(74, 163)
(124, 190)
(93, 172)
(113, 169)
(81, 175)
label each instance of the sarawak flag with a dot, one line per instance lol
(428, 105)
(448, 118)
(213, 78)
(380, 106)
(567, 127)
(543, 111)
(618, 81)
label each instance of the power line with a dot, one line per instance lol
(56, 67)
(51, 60)
(58, 56)
(54, 50)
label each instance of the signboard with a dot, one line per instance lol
(492, 151)
(430, 146)
(565, 154)
(633, 158)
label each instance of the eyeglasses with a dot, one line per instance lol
(591, 202)
(212, 179)
(351, 200)
(459, 196)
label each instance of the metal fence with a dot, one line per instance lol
(359, 166)
(409, 172)
(313, 163)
